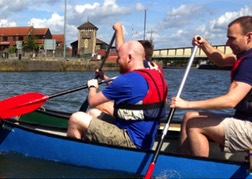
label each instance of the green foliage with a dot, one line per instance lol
(30, 44)
(13, 49)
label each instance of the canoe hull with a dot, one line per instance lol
(32, 143)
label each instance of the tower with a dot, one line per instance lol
(87, 38)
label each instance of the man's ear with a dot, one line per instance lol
(130, 58)
(249, 35)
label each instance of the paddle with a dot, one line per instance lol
(170, 116)
(28, 102)
(84, 105)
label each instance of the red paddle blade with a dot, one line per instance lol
(21, 104)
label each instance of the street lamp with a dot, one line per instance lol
(144, 23)
(65, 29)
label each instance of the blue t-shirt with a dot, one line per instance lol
(131, 88)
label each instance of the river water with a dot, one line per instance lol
(200, 84)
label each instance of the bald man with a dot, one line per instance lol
(139, 96)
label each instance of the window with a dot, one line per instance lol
(86, 35)
(40, 37)
(86, 43)
(5, 38)
(20, 38)
(14, 38)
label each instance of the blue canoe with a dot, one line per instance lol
(52, 144)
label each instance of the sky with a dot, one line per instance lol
(169, 23)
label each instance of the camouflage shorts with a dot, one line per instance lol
(105, 132)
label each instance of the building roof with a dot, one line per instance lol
(40, 31)
(22, 31)
(74, 43)
(10, 31)
(58, 37)
(87, 25)
(99, 42)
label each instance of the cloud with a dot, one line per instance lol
(223, 21)
(197, 20)
(217, 29)
(14, 6)
(104, 12)
(179, 17)
(103, 15)
(55, 22)
(176, 27)
(86, 7)
(6, 23)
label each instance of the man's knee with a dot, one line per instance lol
(94, 112)
(77, 125)
(188, 116)
(79, 118)
(191, 120)
(74, 118)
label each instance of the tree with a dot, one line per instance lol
(30, 44)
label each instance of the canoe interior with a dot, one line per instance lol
(46, 117)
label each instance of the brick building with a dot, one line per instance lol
(11, 36)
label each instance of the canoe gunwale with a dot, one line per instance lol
(34, 124)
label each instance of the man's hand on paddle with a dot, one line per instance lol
(100, 74)
(93, 83)
(199, 41)
(177, 102)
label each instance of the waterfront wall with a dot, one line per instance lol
(47, 65)
(57, 65)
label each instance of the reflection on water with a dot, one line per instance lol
(200, 84)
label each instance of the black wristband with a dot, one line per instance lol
(92, 86)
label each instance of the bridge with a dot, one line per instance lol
(185, 52)
(180, 56)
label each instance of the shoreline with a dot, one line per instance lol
(72, 65)
(213, 67)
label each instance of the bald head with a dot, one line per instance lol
(131, 56)
(134, 47)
